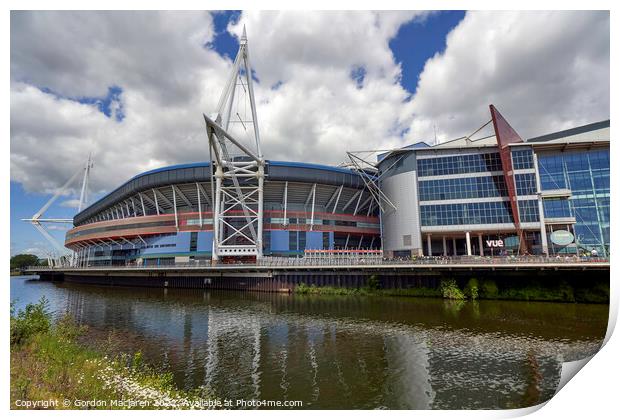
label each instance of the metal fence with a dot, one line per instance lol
(351, 261)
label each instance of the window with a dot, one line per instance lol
(556, 207)
(528, 211)
(459, 164)
(525, 184)
(493, 212)
(458, 188)
(267, 240)
(326, 240)
(292, 240)
(193, 242)
(522, 159)
(551, 172)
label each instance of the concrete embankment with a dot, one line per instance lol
(566, 282)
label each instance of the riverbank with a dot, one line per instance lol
(52, 368)
(595, 291)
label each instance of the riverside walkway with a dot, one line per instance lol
(338, 264)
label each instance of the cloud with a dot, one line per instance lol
(159, 60)
(73, 203)
(322, 107)
(169, 76)
(545, 71)
(327, 82)
(60, 227)
(40, 249)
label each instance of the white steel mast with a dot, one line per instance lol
(239, 170)
(84, 192)
(61, 255)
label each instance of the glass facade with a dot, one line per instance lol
(586, 174)
(525, 184)
(491, 212)
(472, 187)
(459, 164)
(457, 188)
(528, 211)
(556, 208)
(522, 159)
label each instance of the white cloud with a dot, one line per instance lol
(159, 60)
(169, 78)
(319, 112)
(555, 79)
(33, 251)
(545, 71)
(73, 203)
(40, 249)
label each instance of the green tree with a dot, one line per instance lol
(21, 261)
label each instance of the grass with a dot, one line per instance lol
(49, 364)
(474, 290)
(304, 289)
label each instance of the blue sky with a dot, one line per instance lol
(131, 94)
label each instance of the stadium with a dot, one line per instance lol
(166, 215)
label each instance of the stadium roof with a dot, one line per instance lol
(200, 172)
(598, 131)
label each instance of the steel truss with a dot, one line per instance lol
(239, 171)
(361, 166)
(358, 161)
(60, 255)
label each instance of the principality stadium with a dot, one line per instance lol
(166, 215)
(494, 195)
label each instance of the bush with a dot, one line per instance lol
(471, 290)
(563, 292)
(373, 282)
(413, 292)
(32, 320)
(489, 290)
(302, 288)
(450, 290)
(67, 328)
(597, 293)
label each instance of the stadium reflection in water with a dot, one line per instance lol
(341, 352)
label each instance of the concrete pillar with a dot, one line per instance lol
(541, 210)
(445, 248)
(574, 235)
(468, 239)
(454, 246)
(480, 245)
(429, 248)
(552, 245)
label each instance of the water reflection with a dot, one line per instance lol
(342, 352)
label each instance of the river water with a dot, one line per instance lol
(340, 351)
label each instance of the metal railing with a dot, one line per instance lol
(285, 262)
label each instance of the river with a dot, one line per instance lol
(340, 351)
